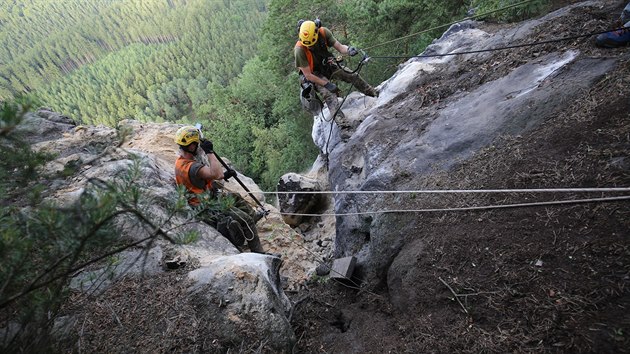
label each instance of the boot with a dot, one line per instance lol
(259, 215)
(255, 246)
(236, 233)
(231, 230)
(371, 91)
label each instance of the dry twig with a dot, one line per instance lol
(454, 294)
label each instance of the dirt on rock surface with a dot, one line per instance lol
(551, 278)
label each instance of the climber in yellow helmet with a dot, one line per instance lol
(315, 63)
(236, 219)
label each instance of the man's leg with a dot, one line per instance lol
(330, 98)
(245, 215)
(619, 38)
(225, 225)
(358, 82)
(231, 230)
(248, 228)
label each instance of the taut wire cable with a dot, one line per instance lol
(472, 208)
(462, 191)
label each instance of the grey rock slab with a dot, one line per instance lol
(243, 294)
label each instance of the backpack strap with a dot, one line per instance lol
(322, 33)
(309, 55)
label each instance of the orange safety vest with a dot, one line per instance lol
(182, 177)
(309, 55)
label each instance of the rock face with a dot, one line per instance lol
(248, 287)
(298, 203)
(414, 127)
(241, 298)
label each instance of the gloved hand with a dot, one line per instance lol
(331, 87)
(352, 51)
(229, 174)
(207, 146)
(329, 61)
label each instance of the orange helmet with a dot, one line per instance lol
(308, 33)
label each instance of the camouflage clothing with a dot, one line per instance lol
(235, 219)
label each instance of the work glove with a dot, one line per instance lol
(207, 146)
(352, 51)
(331, 87)
(229, 174)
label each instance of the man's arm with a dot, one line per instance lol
(341, 48)
(212, 172)
(301, 63)
(308, 74)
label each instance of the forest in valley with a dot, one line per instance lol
(227, 64)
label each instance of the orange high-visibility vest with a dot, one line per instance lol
(182, 177)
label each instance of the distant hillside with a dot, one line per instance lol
(103, 61)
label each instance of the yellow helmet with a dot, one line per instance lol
(187, 135)
(308, 33)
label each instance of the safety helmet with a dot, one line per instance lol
(308, 33)
(187, 135)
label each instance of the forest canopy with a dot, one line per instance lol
(227, 64)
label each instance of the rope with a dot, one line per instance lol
(321, 113)
(531, 44)
(488, 207)
(449, 24)
(474, 208)
(332, 120)
(458, 191)
(246, 224)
